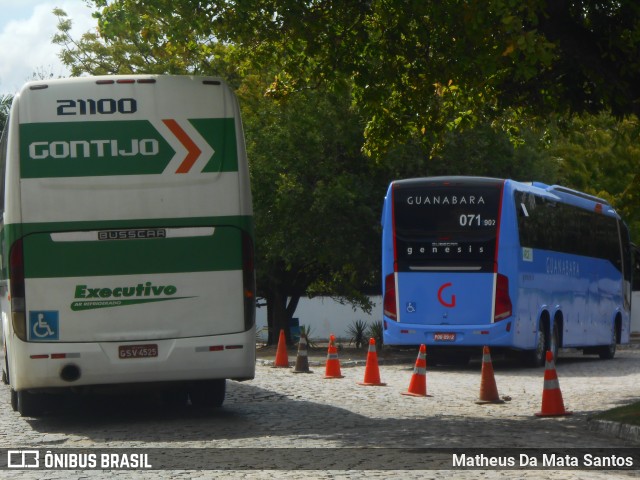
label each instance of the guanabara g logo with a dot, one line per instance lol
(89, 298)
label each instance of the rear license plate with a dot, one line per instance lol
(444, 337)
(138, 351)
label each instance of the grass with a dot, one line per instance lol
(629, 414)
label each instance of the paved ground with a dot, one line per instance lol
(292, 413)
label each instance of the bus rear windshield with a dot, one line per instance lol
(446, 226)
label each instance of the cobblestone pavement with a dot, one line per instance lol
(279, 409)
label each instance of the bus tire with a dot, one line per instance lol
(554, 341)
(453, 360)
(208, 394)
(175, 398)
(14, 400)
(29, 404)
(607, 352)
(5, 372)
(536, 358)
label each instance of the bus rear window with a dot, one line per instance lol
(446, 226)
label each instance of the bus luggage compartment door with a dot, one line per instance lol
(134, 283)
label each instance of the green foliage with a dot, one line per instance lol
(316, 197)
(136, 37)
(305, 331)
(483, 150)
(627, 414)
(5, 106)
(416, 69)
(375, 331)
(425, 88)
(358, 333)
(601, 155)
(420, 68)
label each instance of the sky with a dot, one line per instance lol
(26, 29)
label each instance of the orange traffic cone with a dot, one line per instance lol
(488, 389)
(418, 384)
(302, 360)
(552, 405)
(282, 359)
(332, 368)
(371, 371)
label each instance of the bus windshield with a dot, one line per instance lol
(446, 225)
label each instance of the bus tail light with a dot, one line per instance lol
(248, 281)
(390, 297)
(16, 279)
(502, 300)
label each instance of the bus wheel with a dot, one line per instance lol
(175, 398)
(208, 393)
(453, 360)
(29, 404)
(5, 372)
(536, 357)
(607, 352)
(554, 342)
(14, 400)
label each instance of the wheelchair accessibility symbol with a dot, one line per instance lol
(411, 307)
(43, 325)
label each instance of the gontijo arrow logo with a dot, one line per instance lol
(132, 147)
(192, 152)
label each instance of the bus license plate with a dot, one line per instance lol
(138, 351)
(444, 337)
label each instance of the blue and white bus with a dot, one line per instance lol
(471, 261)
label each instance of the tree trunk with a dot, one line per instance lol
(280, 311)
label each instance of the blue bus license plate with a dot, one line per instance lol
(444, 337)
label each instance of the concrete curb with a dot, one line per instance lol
(623, 431)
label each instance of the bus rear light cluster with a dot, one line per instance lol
(248, 281)
(54, 356)
(390, 297)
(16, 290)
(504, 309)
(218, 348)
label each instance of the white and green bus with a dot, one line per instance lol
(127, 239)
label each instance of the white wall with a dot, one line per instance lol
(635, 313)
(325, 317)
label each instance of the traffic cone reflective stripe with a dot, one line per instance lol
(282, 358)
(418, 383)
(302, 360)
(551, 384)
(488, 388)
(332, 367)
(371, 371)
(552, 404)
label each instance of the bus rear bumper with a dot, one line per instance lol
(498, 334)
(45, 365)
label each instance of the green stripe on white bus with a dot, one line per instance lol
(136, 147)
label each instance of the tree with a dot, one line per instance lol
(427, 87)
(316, 197)
(5, 105)
(600, 155)
(419, 67)
(316, 201)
